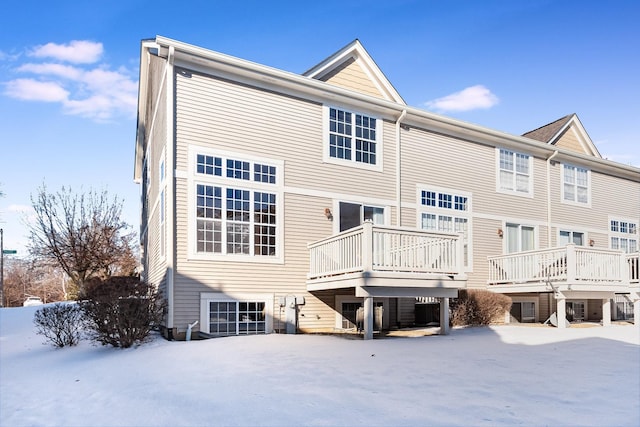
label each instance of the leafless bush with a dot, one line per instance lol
(61, 323)
(121, 311)
(478, 307)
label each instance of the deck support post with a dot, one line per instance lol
(606, 312)
(444, 316)
(368, 318)
(562, 312)
(636, 312)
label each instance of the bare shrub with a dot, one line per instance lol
(61, 323)
(478, 307)
(121, 311)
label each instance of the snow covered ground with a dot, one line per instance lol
(504, 375)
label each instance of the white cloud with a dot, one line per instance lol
(77, 51)
(92, 91)
(59, 70)
(34, 90)
(471, 98)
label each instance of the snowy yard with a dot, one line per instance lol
(504, 375)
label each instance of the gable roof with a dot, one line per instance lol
(353, 68)
(566, 132)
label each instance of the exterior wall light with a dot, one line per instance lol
(500, 233)
(328, 214)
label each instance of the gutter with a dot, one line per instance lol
(398, 169)
(273, 78)
(555, 153)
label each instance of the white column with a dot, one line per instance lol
(606, 312)
(562, 312)
(368, 318)
(444, 316)
(636, 313)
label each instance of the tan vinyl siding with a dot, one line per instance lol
(609, 196)
(350, 75)
(437, 160)
(157, 125)
(568, 140)
(238, 118)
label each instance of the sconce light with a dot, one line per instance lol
(500, 233)
(592, 242)
(328, 214)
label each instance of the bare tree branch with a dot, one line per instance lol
(82, 234)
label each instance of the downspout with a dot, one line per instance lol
(398, 178)
(555, 153)
(170, 179)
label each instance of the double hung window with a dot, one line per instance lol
(575, 185)
(514, 172)
(353, 137)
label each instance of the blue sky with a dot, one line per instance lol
(69, 71)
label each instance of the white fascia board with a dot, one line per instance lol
(322, 92)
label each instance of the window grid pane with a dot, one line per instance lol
(209, 165)
(339, 134)
(265, 220)
(365, 139)
(238, 169)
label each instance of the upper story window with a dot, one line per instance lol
(623, 234)
(514, 172)
(235, 206)
(446, 211)
(235, 169)
(576, 185)
(353, 137)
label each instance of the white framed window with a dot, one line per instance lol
(576, 185)
(567, 236)
(353, 214)
(352, 138)
(514, 172)
(519, 237)
(623, 234)
(524, 309)
(227, 315)
(235, 207)
(447, 211)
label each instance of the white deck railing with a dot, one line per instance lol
(370, 248)
(571, 264)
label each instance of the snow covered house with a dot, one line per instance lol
(273, 201)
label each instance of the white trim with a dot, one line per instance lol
(622, 235)
(505, 240)
(326, 158)
(195, 178)
(170, 195)
(452, 212)
(336, 211)
(536, 305)
(572, 230)
(514, 192)
(589, 186)
(207, 297)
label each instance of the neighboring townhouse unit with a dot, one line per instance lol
(321, 202)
